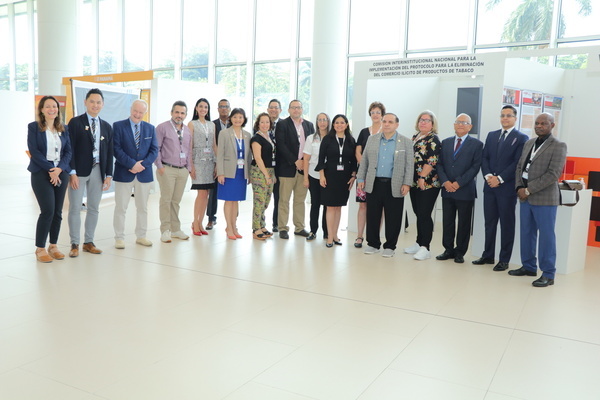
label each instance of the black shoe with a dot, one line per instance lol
(284, 235)
(302, 233)
(329, 245)
(275, 229)
(337, 242)
(459, 259)
(312, 236)
(501, 266)
(446, 255)
(483, 260)
(210, 224)
(522, 272)
(542, 281)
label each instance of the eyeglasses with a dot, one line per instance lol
(273, 108)
(374, 112)
(507, 115)
(295, 107)
(461, 123)
(426, 120)
(224, 107)
(322, 120)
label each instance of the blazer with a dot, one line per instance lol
(126, 154)
(218, 128)
(461, 169)
(227, 153)
(82, 144)
(38, 148)
(404, 160)
(502, 163)
(288, 145)
(544, 171)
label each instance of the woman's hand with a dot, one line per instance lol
(54, 175)
(193, 173)
(421, 184)
(323, 181)
(221, 179)
(351, 182)
(306, 184)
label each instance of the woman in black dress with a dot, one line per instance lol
(337, 169)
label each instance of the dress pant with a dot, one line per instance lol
(286, 187)
(50, 199)
(211, 208)
(540, 220)
(172, 184)
(423, 202)
(122, 198)
(276, 202)
(261, 192)
(379, 201)
(464, 209)
(314, 186)
(92, 186)
(500, 207)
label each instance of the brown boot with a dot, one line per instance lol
(42, 255)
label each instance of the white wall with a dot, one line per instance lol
(18, 110)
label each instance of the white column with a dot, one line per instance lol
(329, 66)
(57, 44)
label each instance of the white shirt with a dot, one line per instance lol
(54, 146)
(311, 147)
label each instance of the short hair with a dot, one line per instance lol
(196, 116)
(257, 122)
(239, 111)
(347, 132)
(434, 126)
(466, 115)
(379, 105)
(94, 91)
(144, 102)
(223, 100)
(41, 118)
(510, 108)
(395, 116)
(295, 100)
(275, 101)
(179, 103)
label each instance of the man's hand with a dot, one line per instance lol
(522, 194)
(160, 171)
(137, 168)
(449, 187)
(493, 181)
(300, 165)
(74, 182)
(404, 190)
(106, 184)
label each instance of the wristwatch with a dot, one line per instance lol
(526, 192)
(420, 177)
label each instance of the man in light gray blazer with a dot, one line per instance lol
(537, 174)
(385, 173)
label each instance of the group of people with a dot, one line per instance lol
(285, 157)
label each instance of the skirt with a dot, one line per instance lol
(234, 189)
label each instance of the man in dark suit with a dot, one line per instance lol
(136, 149)
(220, 123)
(274, 110)
(460, 160)
(537, 173)
(91, 170)
(290, 136)
(500, 155)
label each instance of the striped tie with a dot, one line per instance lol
(94, 139)
(136, 136)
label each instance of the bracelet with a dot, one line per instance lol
(420, 177)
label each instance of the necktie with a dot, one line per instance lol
(136, 136)
(94, 139)
(457, 144)
(503, 137)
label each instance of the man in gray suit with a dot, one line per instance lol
(385, 173)
(537, 174)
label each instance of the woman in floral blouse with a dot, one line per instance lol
(426, 185)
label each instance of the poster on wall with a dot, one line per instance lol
(531, 107)
(553, 105)
(511, 96)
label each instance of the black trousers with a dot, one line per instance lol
(423, 202)
(50, 199)
(464, 209)
(314, 186)
(378, 201)
(211, 208)
(276, 202)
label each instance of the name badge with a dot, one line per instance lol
(340, 167)
(207, 150)
(525, 174)
(95, 154)
(273, 163)
(182, 155)
(240, 163)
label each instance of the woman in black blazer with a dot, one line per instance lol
(50, 151)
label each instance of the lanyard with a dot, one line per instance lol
(341, 146)
(240, 146)
(534, 151)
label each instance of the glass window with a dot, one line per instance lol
(435, 24)
(491, 20)
(87, 37)
(165, 33)
(5, 49)
(165, 73)
(233, 78)
(579, 18)
(307, 10)
(195, 74)
(572, 61)
(23, 46)
(350, 90)
(109, 38)
(304, 81)
(271, 81)
(233, 40)
(370, 32)
(197, 27)
(136, 46)
(275, 22)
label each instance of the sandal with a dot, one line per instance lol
(259, 235)
(359, 242)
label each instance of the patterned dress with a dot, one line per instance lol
(203, 155)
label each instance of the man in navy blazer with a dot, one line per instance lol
(460, 160)
(136, 149)
(91, 170)
(500, 156)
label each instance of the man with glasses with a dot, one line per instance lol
(500, 156)
(220, 123)
(460, 160)
(274, 109)
(173, 165)
(290, 135)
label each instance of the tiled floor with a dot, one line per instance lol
(211, 318)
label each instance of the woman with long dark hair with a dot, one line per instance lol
(262, 174)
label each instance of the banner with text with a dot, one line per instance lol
(428, 66)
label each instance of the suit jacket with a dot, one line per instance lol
(462, 168)
(218, 128)
(38, 148)
(127, 154)
(544, 171)
(227, 153)
(288, 146)
(404, 160)
(82, 144)
(502, 162)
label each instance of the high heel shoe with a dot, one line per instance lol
(197, 233)
(329, 245)
(202, 231)
(337, 242)
(259, 235)
(237, 235)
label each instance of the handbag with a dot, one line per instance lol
(570, 185)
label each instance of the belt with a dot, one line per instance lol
(173, 166)
(383, 180)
